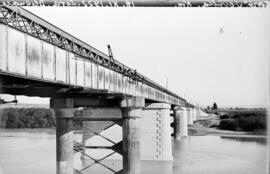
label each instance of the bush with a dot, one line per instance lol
(236, 116)
(29, 118)
(12, 118)
(224, 117)
(228, 124)
(252, 123)
(245, 122)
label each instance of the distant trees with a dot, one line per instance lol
(244, 121)
(29, 118)
(215, 107)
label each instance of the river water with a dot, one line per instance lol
(33, 151)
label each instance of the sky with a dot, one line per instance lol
(207, 54)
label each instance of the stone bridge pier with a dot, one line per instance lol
(180, 122)
(190, 117)
(155, 127)
(194, 114)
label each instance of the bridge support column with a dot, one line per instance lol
(180, 122)
(194, 113)
(176, 125)
(197, 112)
(130, 108)
(64, 135)
(156, 130)
(189, 116)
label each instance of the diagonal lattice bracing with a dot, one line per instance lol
(80, 147)
(96, 161)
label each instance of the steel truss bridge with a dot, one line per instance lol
(35, 50)
(39, 59)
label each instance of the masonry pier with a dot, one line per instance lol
(194, 114)
(176, 123)
(180, 123)
(197, 112)
(189, 116)
(156, 130)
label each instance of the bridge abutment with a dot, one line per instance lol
(156, 130)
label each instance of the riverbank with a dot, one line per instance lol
(44, 118)
(200, 130)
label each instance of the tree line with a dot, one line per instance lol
(28, 118)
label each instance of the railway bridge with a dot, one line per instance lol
(91, 90)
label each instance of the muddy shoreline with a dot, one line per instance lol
(200, 130)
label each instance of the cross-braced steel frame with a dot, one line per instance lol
(81, 147)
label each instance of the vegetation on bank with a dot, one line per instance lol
(249, 122)
(44, 118)
(28, 118)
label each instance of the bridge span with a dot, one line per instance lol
(39, 59)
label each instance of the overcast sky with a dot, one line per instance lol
(207, 54)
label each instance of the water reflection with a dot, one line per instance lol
(259, 140)
(31, 151)
(212, 154)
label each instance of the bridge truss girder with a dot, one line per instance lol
(23, 20)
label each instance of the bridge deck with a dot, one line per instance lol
(50, 63)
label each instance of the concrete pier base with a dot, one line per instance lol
(64, 113)
(156, 130)
(131, 113)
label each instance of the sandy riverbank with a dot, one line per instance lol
(199, 130)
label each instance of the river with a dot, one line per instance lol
(27, 151)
